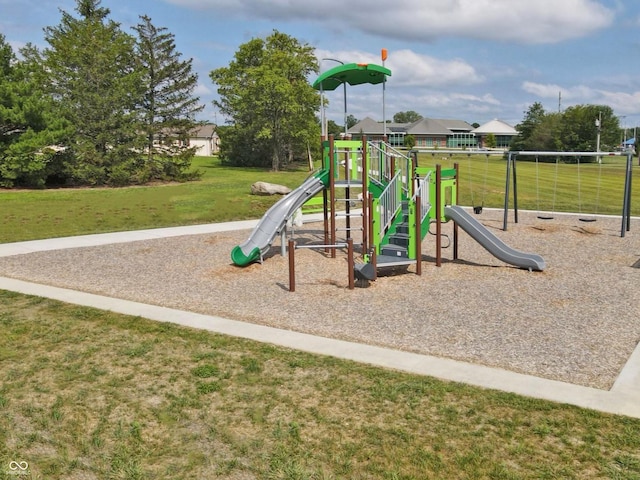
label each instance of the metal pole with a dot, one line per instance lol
(292, 268)
(515, 191)
(438, 218)
(506, 194)
(344, 84)
(350, 263)
(332, 192)
(418, 233)
(626, 207)
(455, 202)
(365, 196)
(383, 54)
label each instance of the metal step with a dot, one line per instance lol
(391, 261)
(402, 228)
(401, 239)
(396, 251)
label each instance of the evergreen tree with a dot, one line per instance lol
(92, 74)
(265, 92)
(168, 106)
(9, 124)
(30, 131)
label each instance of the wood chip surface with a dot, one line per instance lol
(578, 321)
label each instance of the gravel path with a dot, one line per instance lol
(578, 321)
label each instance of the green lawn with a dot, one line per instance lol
(90, 394)
(221, 195)
(589, 188)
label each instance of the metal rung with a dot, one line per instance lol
(347, 200)
(337, 245)
(348, 214)
(345, 229)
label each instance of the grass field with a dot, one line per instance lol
(223, 194)
(90, 394)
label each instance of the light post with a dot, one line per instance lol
(344, 85)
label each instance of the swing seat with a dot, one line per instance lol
(545, 217)
(588, 220)
(477, 210)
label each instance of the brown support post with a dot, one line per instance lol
(325, 201)
(438, 216)
(350, 263)
(418, 232)
(325, 213)
(374, 262)
(292, 268)
(455, 225)
(332, 192)
(347, 191)
(370, 226)
(365, 196)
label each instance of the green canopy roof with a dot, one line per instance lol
(353, 74)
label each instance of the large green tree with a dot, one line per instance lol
(168, 107)
(573, 130)
(579, 130)
(91, 66)
(30, 131)
(266, 93)
(407, 117)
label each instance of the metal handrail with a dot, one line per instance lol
(390, 203)
(423, 192)
(384, 167)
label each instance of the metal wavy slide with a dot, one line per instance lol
(491, 243)
(275, 219)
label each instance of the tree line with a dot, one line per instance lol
(97, 106)
(100, 106)
(576, 129)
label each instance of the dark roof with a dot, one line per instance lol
(427, 126)
(203, 131)
(456, 125)
(367, 126)
(424, 126)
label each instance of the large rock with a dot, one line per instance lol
(266, 188)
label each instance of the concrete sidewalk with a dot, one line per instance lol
(623, 398)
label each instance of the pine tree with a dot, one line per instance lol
(92, 74)
(30, 131)
(168, 108)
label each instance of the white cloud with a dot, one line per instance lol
(579, 93)
(521, 21)
(623, 103)
(202, 90)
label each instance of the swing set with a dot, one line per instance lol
(511, 174)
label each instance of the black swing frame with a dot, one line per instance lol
(511, 177)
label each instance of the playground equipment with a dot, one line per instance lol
(626, 200)
(399, 202)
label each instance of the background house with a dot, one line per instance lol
(205, 139)
(436, 133)
(503, 132)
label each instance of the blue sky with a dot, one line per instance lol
(474, 60)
